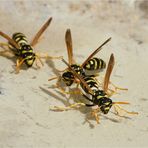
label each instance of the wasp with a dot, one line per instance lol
(91, 63)
(97, 97)
(19, 46)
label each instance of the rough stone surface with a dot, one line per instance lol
(25, 98)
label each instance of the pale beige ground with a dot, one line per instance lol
(25, 119)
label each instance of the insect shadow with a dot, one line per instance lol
(75, 98)
(51, 64)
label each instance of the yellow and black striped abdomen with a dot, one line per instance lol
(95, 64)
(91, 82)
(20, 39)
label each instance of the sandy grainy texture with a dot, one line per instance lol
(25, 119)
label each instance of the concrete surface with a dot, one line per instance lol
(25, 118)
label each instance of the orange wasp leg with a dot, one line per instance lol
(19, 62)
(118, 108)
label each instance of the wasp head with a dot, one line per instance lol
(68, 78)
(103, 102)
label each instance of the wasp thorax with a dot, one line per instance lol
(95, 64)
(98, 93)
(26, 47)
(78, 69)
(28, 55)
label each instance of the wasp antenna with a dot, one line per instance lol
(121, 103)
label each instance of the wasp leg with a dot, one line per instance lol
(39, 58)
(6, 50)
(65, 92)
(6, 53)
(46, 56)
(57, 84)
(117, 109)
(111, 92)
(94, 113)
(78, 85)
(4, 44)
(96, 75)
(118, 88)
(50, 57)
(98, 82)
(60, 88)
(61, 71)
(76, 105)
(19, 62)
(115, 88)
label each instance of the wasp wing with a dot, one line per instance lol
(95, 52)
(40, 32)
(68, 40)
(108, 72)
(78, 76)
(11, 41)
